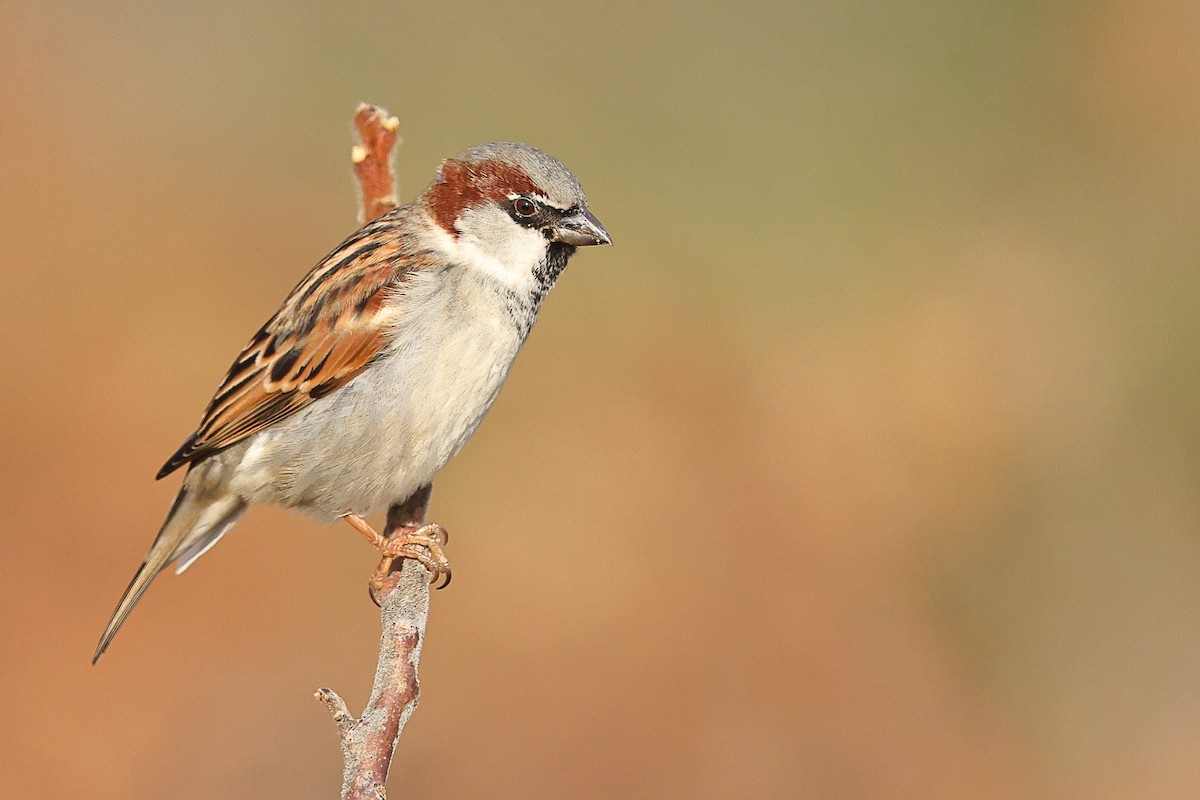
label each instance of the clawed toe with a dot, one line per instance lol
(421, 544)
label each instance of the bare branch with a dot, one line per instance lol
(372, 158)
(369, 742)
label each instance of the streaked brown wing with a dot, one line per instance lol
(328, 330)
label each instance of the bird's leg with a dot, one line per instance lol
(422, 543)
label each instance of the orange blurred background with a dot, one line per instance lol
(864, 466)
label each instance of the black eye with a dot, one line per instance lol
(524, 207)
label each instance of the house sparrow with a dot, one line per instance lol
(382, 362)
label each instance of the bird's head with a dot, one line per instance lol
(511, 210)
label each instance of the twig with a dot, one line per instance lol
(372, 160)
(369, 742)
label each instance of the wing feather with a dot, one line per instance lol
(328, 330)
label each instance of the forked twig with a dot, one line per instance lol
(369, 742)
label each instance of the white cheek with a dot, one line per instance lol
(492, 243)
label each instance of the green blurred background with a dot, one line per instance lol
(864, 466)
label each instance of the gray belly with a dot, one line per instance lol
(387, 432)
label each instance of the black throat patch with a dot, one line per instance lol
(548, 271)
(523, 309)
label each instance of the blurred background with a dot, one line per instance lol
(864, 466)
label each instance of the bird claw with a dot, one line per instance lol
(421, 544)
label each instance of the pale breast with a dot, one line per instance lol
(388, 431)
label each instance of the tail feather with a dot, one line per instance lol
(137, 587)
(191, 527)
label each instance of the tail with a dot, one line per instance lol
(192, 526)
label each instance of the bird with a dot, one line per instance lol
(380, 363)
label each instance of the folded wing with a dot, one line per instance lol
(328, 330)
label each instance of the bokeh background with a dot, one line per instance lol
(864, 466)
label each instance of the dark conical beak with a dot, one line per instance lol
(580, 229)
